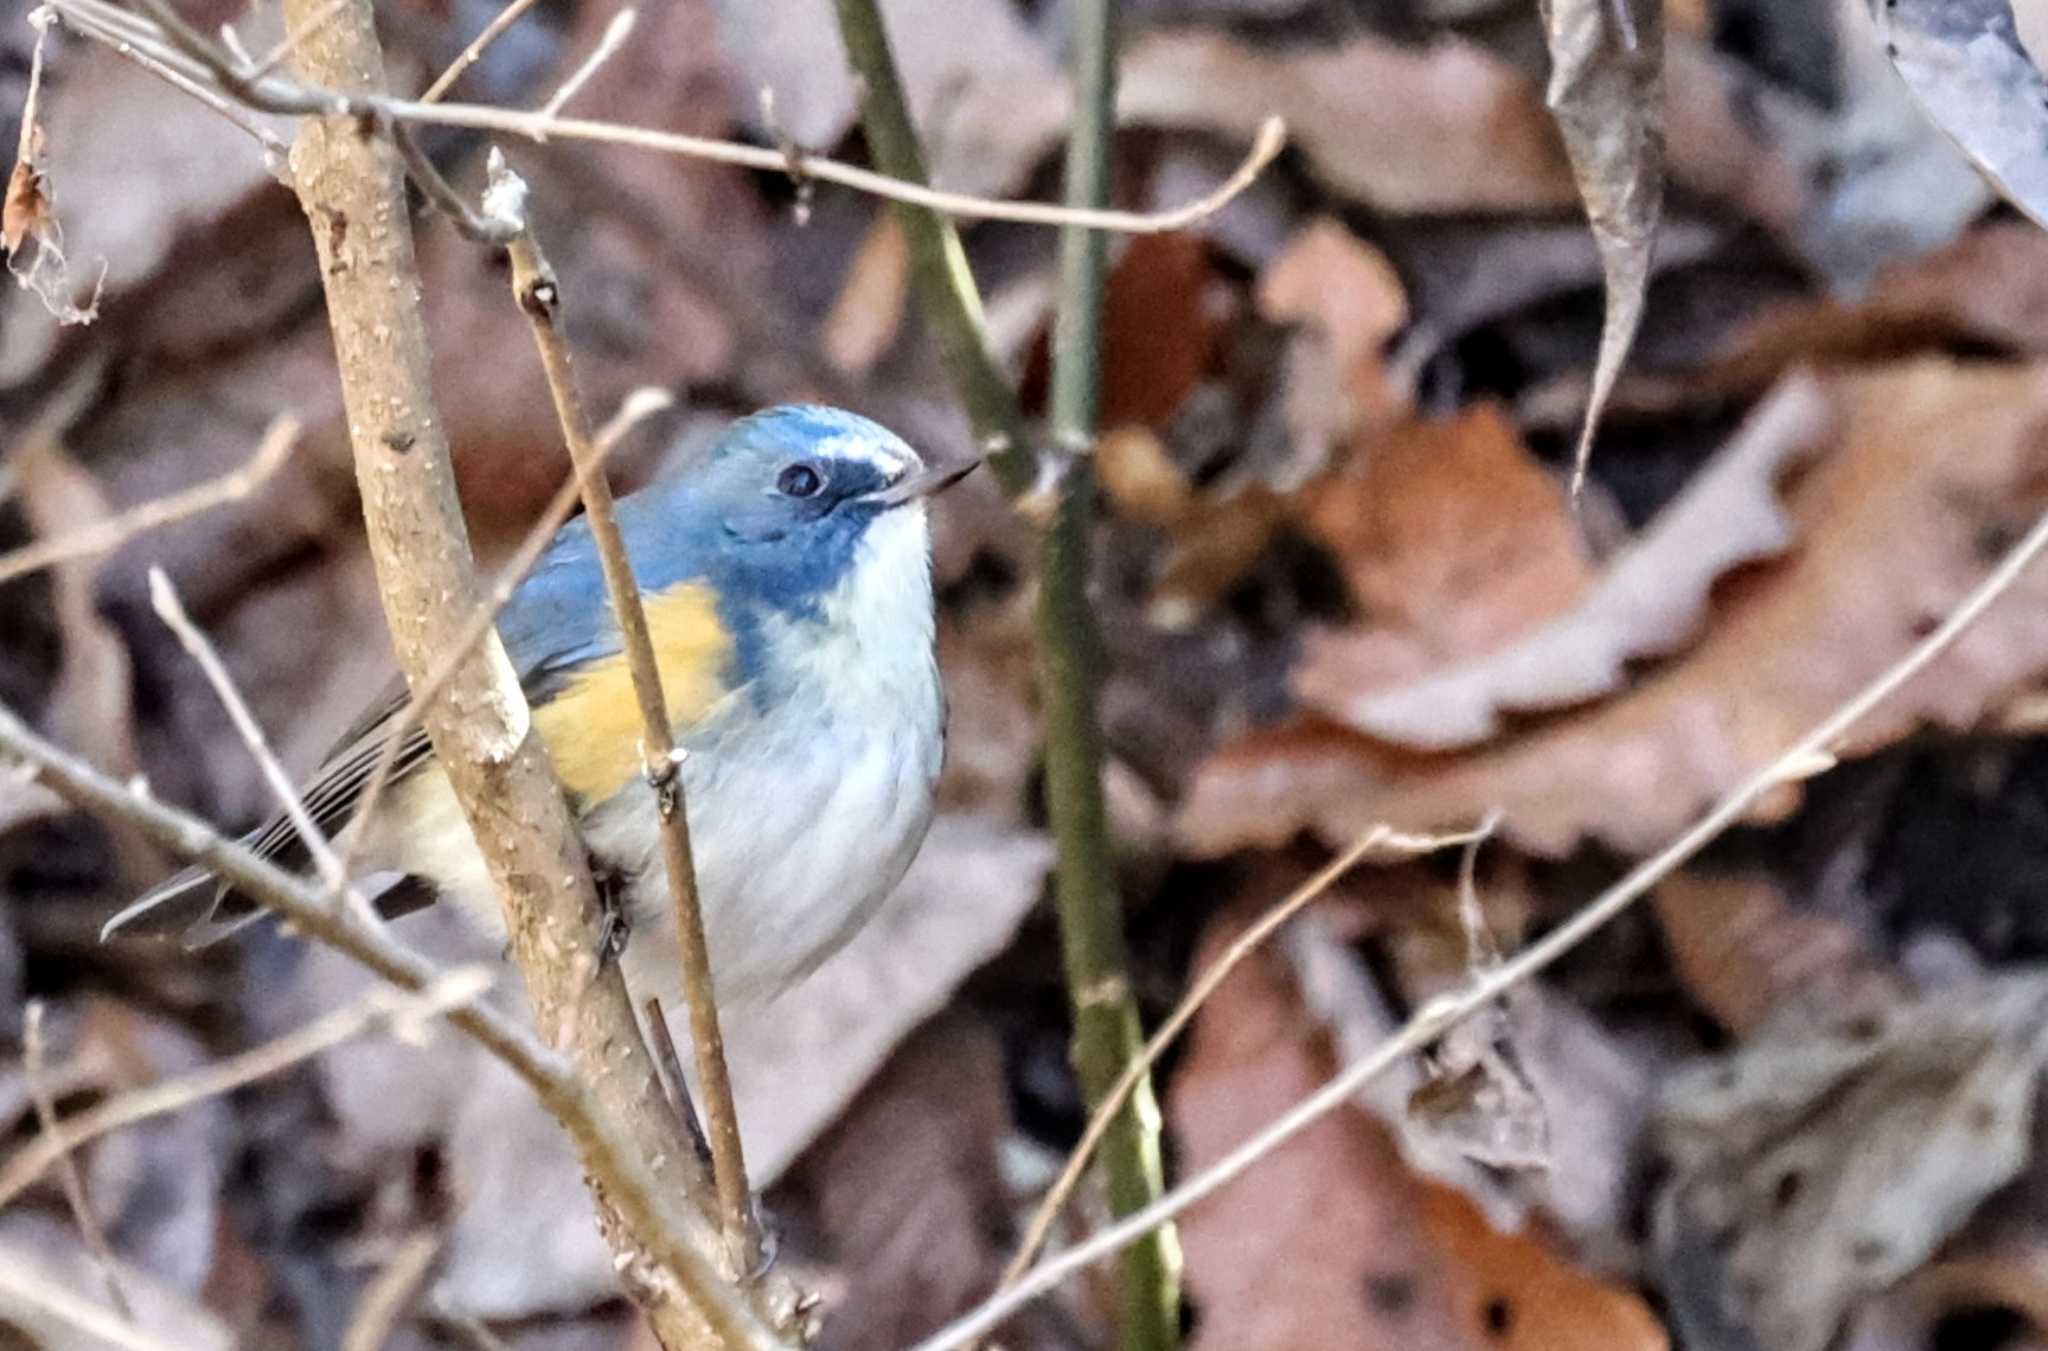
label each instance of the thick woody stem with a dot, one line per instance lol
(350, 184)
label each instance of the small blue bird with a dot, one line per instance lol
(787, 585)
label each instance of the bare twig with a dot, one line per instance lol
(1378, 838)
(1480, 949)
(493, 30)
(102, 536)
(636, 1187)
(1439, 1015)
(73, 1181)
(539, 295)
(148, 54)
(163, 598)
(380, 1008)
(274, 95)
(26, 1290)
(634, 409)
(391, 1293)
(608, 43)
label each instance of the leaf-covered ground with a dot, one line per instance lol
(1787, 1104)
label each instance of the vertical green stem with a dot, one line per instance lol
(1107, 1034)
(945, 287)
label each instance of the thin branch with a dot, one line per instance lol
(163, 598)
(33, 1068)
(144, 55)
(629, 1179)
(394, 1291)
(1439, 1015)
(271, 94)
(1378, 838)
(474, 51)
(634, 409)
(103, 536)
(539, 295)
(27, 1291)
(380, 1008)
(608, 43)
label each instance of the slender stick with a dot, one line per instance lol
(1039, 1228)
(105, 1326)
(72, 1180)
(945, 285)
(351, 187)
(539, 294)
(392, 1293)
(474, 51)
(196, 62)
(164, 600)
(102, 536)
(1108, 1034)
(1439, 1015)
(381, 1007)
(641, 1190)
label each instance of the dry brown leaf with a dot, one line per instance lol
(1352, 302)
(27, 208)
(1218, 542)
(1330, 1241)
(1607, 93)
(906, 1189)
(1649, 602)
(1743, 951)
(1937, 466)
(1522, 1298)
(1161, 318)
(1141, 480)
(1818, 1165)
(1443, 127)
(1454, 540)
(869, 311)
(1964, 60)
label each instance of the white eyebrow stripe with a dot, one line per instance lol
(891, 460)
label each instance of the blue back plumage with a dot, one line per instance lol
(727, 521)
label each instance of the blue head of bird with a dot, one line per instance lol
(809, 526)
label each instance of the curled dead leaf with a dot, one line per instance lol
(1331, 1241)
(1454, 540)
(1649, 602)
(1897, 523)
(1965, 62)
(1607, 93)
(1818, 1164)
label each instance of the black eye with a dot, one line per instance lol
(799, 480)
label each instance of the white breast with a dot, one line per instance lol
(804, 815)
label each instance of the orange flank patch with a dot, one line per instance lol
(592, 728)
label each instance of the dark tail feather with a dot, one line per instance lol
(195, 905)
(184, 902)
(200, 908)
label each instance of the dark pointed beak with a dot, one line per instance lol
(911, 487)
